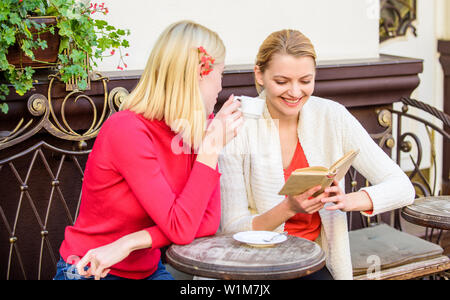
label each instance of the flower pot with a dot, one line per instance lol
(43, 58)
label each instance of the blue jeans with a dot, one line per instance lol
(67, 271)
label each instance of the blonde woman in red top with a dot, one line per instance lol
(151, 178)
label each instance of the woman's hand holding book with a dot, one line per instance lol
(306, 203)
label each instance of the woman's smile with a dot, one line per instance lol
(291, 102)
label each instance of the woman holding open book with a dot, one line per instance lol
(298, 130)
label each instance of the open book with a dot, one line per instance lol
(303, 179)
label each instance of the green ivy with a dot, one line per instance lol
(79, 33)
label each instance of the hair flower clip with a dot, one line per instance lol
(206, 61)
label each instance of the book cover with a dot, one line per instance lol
(303, 179)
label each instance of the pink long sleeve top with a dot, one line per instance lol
(134, 181)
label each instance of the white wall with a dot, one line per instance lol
(339, 29)
(443, 19)
(432, 23)
(424, 46)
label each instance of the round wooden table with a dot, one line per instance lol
(222, 257)
(431, 212)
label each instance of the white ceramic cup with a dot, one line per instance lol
(251, 107)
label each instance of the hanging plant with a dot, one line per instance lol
(83, 41)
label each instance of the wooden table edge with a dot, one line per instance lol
(425, 220)
(228, 275)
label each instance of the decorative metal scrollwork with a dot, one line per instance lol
(410, 143)
(43, 108)
(418, 178)
(396, 17)
(117, 96)
(385, 138)
(46, 178)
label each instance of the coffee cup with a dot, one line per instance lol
(251, 107)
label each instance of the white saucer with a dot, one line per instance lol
(257, 238)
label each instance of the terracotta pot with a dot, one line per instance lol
(18, 58)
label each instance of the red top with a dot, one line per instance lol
(302, 225)
(135, 181)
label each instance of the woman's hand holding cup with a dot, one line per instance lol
(222, 129)
(229, 119)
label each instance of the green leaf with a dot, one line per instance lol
(103, 43)
(41, 9)
(4, 12)
(8, 35)
(42, 44)
(4, 108)
(21, 79)
(63, 59)
(4, 64)
(125, 44)
(14, 18)
(63, 44)
(26, 31)
(4, 89)
(29, 72)
(100, 24)
(26, 48)
(113, 35)
(36, 25)
(115, 44)
(73, 14)
(82, 84)
(51, 11)
(65, 28)
(77, 56)
(74, 70)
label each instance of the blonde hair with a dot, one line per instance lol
(287, 41)
(168, 88)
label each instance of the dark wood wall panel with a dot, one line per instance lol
(444, 50)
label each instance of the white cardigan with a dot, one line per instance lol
(252, 173)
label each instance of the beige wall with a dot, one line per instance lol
(424, 46)
(339, 29)
(443, 19)
(433, 22)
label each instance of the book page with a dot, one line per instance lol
(312, 170)
(298, 184)
(342, 166)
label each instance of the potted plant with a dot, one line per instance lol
(83, 40)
